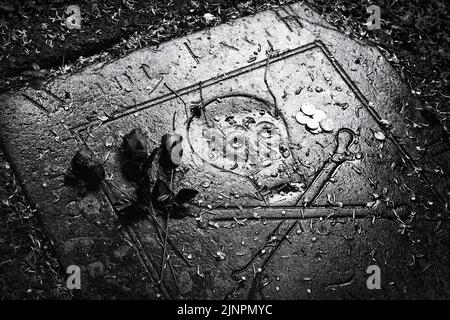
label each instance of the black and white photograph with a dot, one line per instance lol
(243, 152)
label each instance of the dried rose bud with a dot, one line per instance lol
(86, 168)
(172, 150)
(135, 145)
(131, 170)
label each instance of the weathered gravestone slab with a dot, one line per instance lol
(296, 122)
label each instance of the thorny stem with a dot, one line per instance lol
(107, 188)
(160, 238)
(159, 228)
(170, 241)
(163, 260)
(172, 271)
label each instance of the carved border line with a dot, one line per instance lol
(376, 117)
(250, 67)
(191, 88)
(311, 212)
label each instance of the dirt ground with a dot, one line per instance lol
(35, 45)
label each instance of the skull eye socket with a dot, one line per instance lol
(266, 130)
(237, 138)
(237, 141)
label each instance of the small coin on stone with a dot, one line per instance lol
(319, 115)
(308, 109)
(316, 131)
(327, 125)
(301, 117)
(312, 124)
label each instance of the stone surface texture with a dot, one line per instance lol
(357, 176)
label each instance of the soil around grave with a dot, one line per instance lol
(410, 49)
